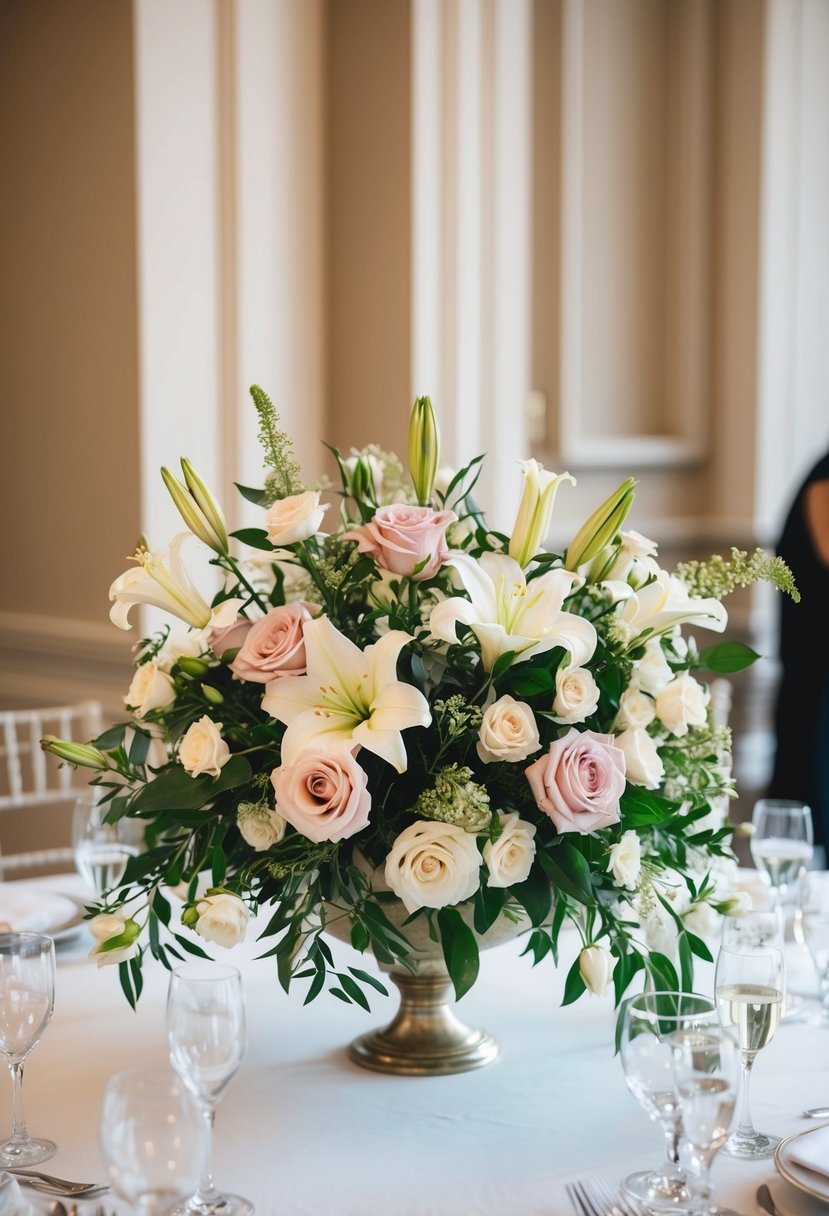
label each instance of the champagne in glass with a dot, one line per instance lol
(749, 986)
(206, 1034)
(102, 849)
(27, 997)
(781, 842)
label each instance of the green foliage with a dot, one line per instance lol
(285, 476)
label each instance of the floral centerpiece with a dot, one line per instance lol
(409, 706)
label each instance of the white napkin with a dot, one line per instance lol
(12, 1202)
(27, 907)
(812, 1151)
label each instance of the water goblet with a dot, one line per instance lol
(706, 1071)
(102, 849)
(206, 1035)
(781, 842)
(27, 997)
(749, 986)
(649, 1023)
(153, 1138)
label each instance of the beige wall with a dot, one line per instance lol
(68, 338)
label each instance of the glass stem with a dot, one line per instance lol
(673, 1132)
(19, 1134)
(207, 1197)
(745, 1129)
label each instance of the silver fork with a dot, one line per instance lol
(51, 1185)
(580, 1200)
(615, 1203)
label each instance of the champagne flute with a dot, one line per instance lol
(206, 1034)
(707, 1071)
(749, 985)
(781, 843)
(27, 998)
(102, 849)
(153, 1138)
(649, 1024)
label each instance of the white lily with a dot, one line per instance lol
(507, 613)
(349, 697)
(665, 602)
(161, 579)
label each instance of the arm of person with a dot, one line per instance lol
(817, 518)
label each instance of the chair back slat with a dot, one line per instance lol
(37, 757)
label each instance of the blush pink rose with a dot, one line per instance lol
(230, 637)
(580, 781)
(400, 537)
(274, 646)
(324, 796)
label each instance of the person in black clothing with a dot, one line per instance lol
(801, 767)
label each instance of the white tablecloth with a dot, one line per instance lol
(303, 1132)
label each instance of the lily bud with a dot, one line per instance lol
(596, 967)
(362, 481)
(197, 507)
(737, 904)
(535, 510)
(82, 755)
(192, 667)
(424, 449)
(601, 527)
(211, 694)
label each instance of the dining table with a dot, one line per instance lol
(302, 1131)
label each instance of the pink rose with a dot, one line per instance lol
(580, 781)
(323, 796)
(400, 538)
(230, 637)
(274, 645)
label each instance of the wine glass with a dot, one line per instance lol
(647, 1048)
(153, 1138)
(781, 843)
(707, 1071)
(812, 931)
(206, 1034)
(102, 849)
(27, 998)
(749, 986)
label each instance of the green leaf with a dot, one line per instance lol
(460, 950)
(256, 538)
(539, 945)
(698, 947)
(489, 902)
(662, 972)
(686, 964)
(502, 663)
(640, 808)
(354, 990)
(359, 936)
(139, 748)
(258, 497)
(529, 682)
(574, 985)
(365, 978)
(315, 987)
(535, 896)
(175, 790)
(124, 976)
(569, 871)
(218, 865)
(726, 657)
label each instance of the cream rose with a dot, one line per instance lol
(325, 797)
(432, 865)
(151, 688)
(509, 859)
(625, 860)
(577, 695)
(636, 709)
(273, 646)
(202, 749)
(579, 782)
(294, 518)
(508, 731)
(222, 919)
(406, 540)
(104, 928)
(596, 967)
(682, 703)
(652, 672)
(260, 826)
(643, 765)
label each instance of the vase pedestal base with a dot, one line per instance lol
(425, 1039)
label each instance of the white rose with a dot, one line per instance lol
(626, 860)
(294, 518)
(222, 919)
(652, 671)
(643, 765)
(203, 750)
(636, 708)
(577, 695)
(151, 688)
(510, 858)
(508, 732)
(432, 865)
(596, 967)
(701, 919)
(682, 703)
(104, 927)
(259, 825)
(661, 931)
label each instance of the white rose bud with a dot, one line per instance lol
(508, 732)
(259, 825)
(151, 688)
(294, 518)
(106, 926)
(202, 749)
(737, 904)
(510, 858)
(596, 968)
(577, 695)
(222, 919)
(636, 708)
(652, 672)
(433, 865)
(682, 703)
(626, 860)
(643, 765)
